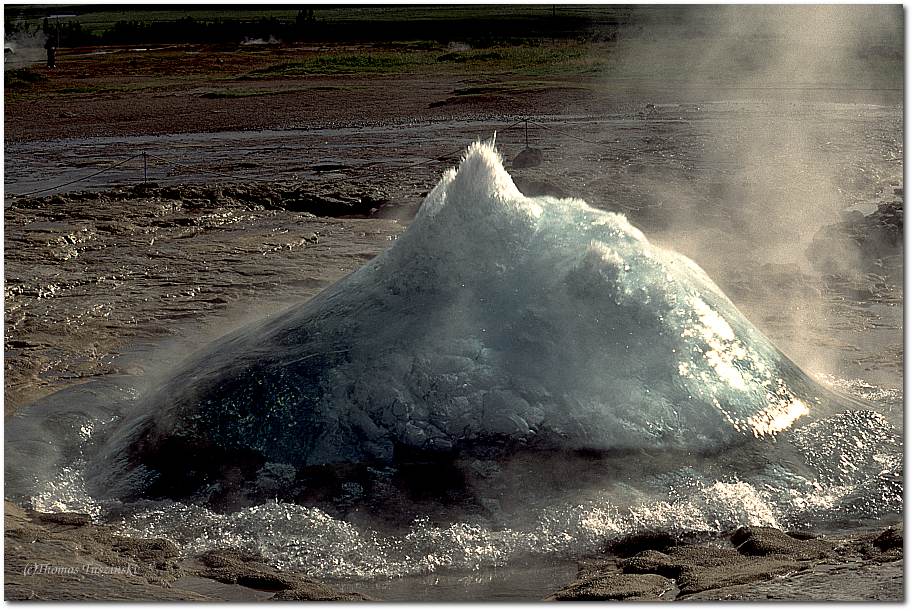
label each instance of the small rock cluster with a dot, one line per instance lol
(662, 566)
(874, 241)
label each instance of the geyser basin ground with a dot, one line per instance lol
(533, 372)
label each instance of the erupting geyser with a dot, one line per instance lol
(496, 323)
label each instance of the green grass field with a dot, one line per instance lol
(528, 60)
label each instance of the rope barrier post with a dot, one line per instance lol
(145, 174)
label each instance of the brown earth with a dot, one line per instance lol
(198, 89)
(118, 91)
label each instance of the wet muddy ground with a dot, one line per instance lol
(123, 270)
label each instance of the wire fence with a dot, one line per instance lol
(192, 169)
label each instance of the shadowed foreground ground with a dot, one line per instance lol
(64, 556)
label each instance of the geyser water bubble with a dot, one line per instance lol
(496, 324)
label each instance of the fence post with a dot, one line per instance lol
(527, 132)
(145, 174)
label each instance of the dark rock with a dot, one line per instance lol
(633, 544)
(892, 538)
(618, 587)
(319, 592)
(144, 189)
(764, 541)
(171, 193)
(64, 518)
(262, 581)
(252, 570)
(147, 547)
(850, 582)
(158, 554)
(872, 239)
(801, 535)
(116, 228)
(83, 196)
(651, 540)
(249, 570)
(328, 167)
(702, 567)
(535, 188)
(680, 559)
(237, 566)
(335, 204)
(171, 221)
(698, 578)
(651, 561)
(528, 158)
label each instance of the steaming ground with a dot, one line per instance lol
(24, 49)
(799, 457)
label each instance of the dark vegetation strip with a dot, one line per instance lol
(138, 24)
